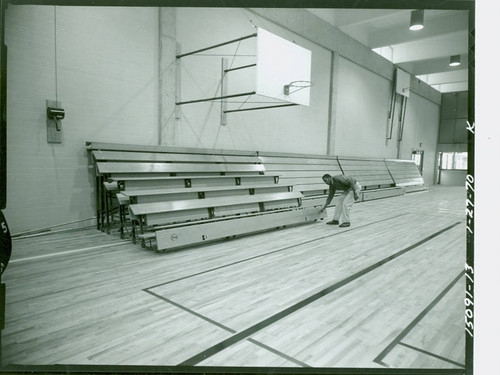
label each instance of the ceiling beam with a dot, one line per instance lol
(450, 23)
(446, 77)
(431, 66)
(452, 87)
(347, 17)
(441, 46)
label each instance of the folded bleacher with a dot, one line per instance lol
(406, 175)
(176, 197)
(303, 172)
(373, 175)
(171, 197)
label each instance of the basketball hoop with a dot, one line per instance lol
(297, 85)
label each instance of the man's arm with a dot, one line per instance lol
(352, 182)
(331, 193)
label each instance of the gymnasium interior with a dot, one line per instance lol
(162, 187)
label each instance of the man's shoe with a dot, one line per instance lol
(333, 222)
(345, 225)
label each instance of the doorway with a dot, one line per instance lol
(452, 168)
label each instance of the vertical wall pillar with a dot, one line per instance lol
(167, 77)
(332, 114)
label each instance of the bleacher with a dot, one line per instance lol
(406, 175)
(303, 172)
(169, 197)
(168, 193)
(373, 175)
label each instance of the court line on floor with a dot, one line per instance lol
(194, 360)
(272, 350)
(191, 312)
(379, 358)
(272, 252)
(278, 353)
(68, 252)
(432, 354)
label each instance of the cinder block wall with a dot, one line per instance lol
(101, 64)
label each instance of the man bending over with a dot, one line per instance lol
(350, 192)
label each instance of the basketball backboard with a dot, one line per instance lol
(280, 74)
(281, 63)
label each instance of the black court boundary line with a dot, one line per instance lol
(432, 354)
(191, 312)
(283, 355)
(271, 252)
(272, 350)
(379, 359)
(278, 353)
(280, 315)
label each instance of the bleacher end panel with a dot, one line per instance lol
(183, 236)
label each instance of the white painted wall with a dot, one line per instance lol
(299, 129)
(107, 83)
(362, 120)
(363, 102)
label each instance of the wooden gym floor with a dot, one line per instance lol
(386, 292)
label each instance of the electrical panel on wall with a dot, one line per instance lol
(55, 114)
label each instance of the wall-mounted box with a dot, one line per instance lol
(54, 117)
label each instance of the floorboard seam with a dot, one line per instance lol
(68, 252)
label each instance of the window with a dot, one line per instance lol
(454, 160)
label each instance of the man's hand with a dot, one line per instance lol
(356, 196)
(321, 209)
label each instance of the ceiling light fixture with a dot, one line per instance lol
(417, 19)
(455, 60)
